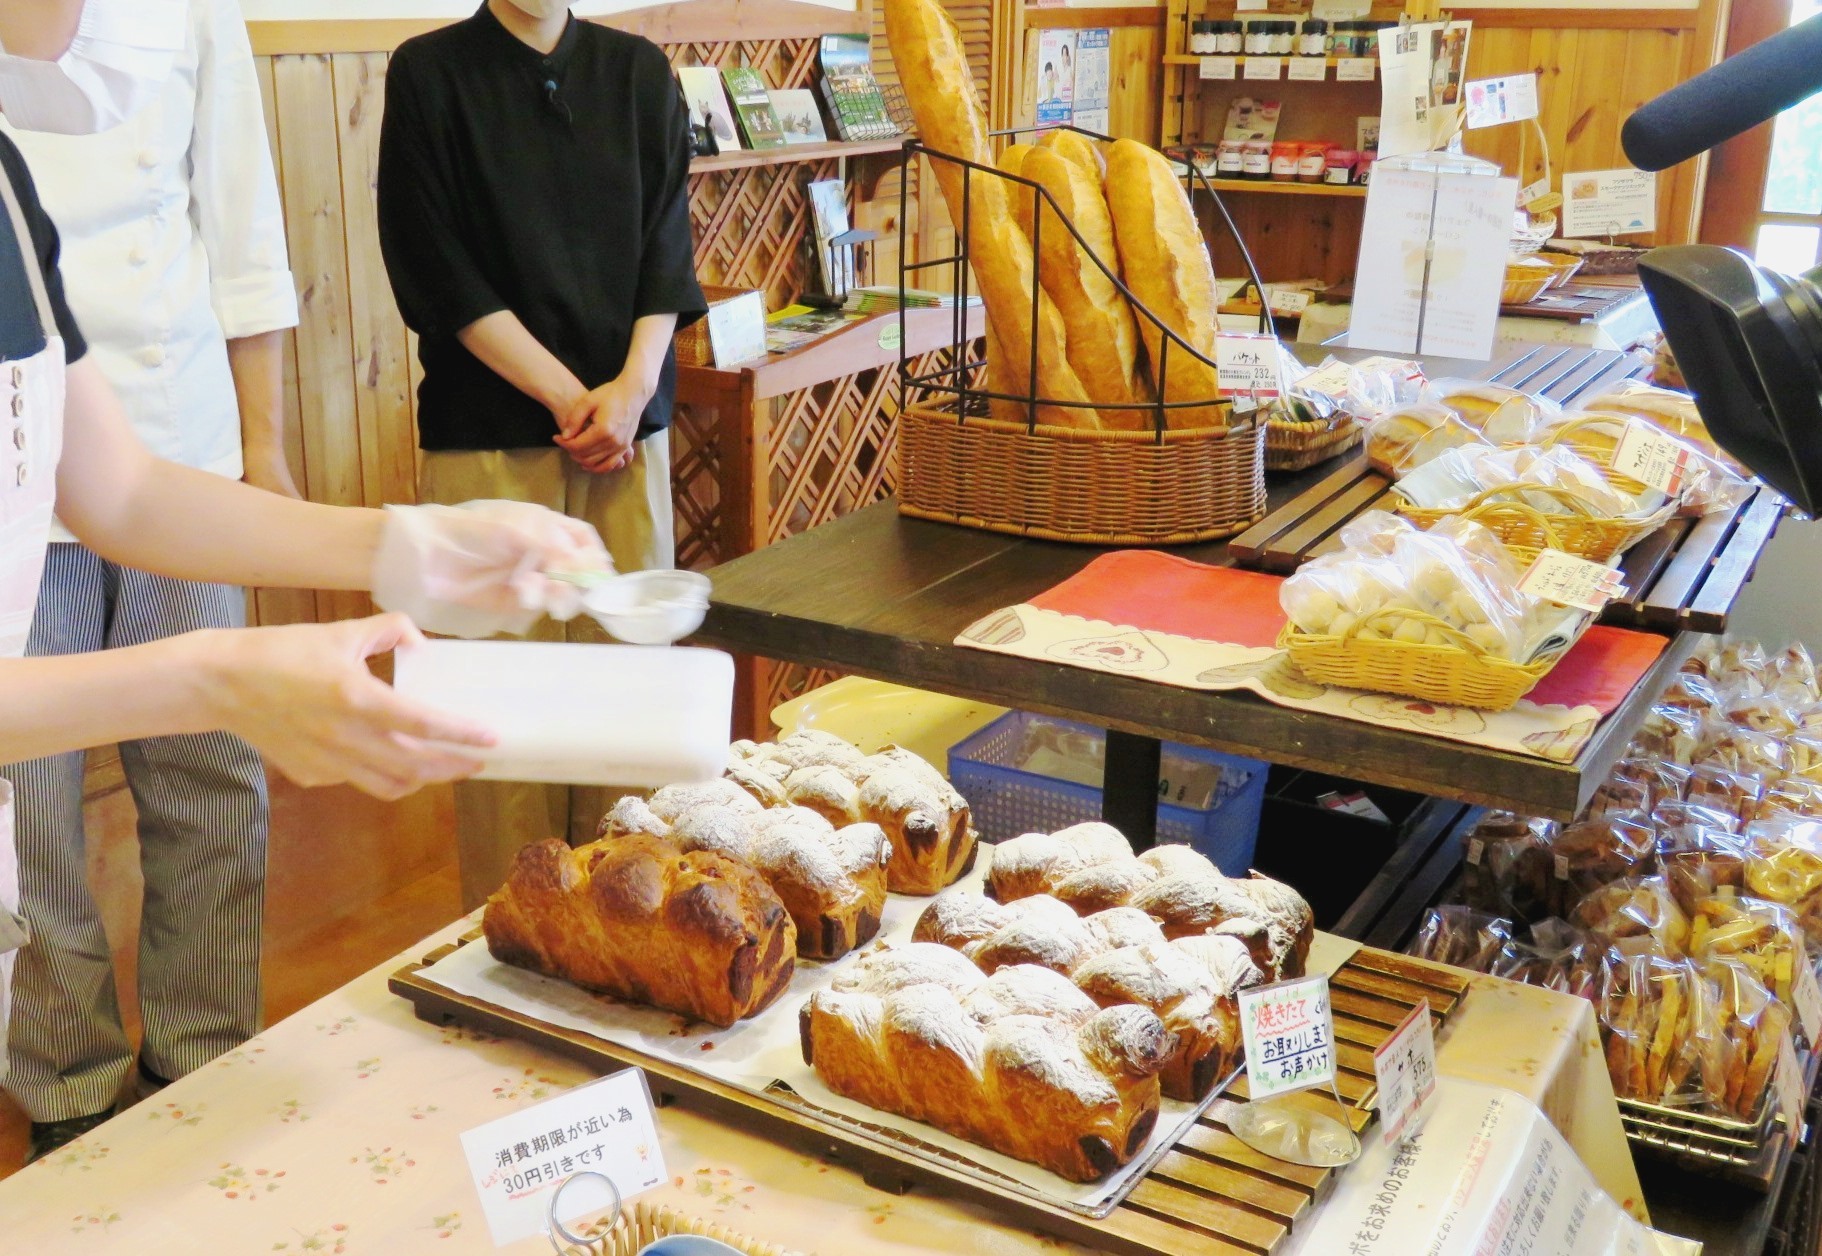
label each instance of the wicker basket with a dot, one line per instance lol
(1526, 530)
(1071, 484)
(1575, 437)
(692, 343)
(646, 1223)
(1293, 446)
(1460, 674)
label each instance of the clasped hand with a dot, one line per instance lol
(600, 429)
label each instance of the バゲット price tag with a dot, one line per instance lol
(1405, 1067)
(518, 1161)
(1652, 456)
(1289, 1030)
(1218, 68)
(1806, 1002)
(1558, 576)
(1248, 363)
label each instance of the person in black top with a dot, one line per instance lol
(534, 216)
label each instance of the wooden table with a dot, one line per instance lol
(879, 595)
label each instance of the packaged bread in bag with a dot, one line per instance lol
(1653, 1013)
(1637, 915)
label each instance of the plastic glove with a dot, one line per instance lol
(484, 567)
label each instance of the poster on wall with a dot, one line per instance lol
(1093, 73)
(1422, 75)
(1055, 68)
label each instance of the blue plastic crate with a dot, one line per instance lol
(1007, 800)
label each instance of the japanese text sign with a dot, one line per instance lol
(1405, 1066)
(1248, 363)
(1290, 1036)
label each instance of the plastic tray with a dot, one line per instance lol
(1007, 801)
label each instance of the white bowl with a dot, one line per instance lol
(650, 607)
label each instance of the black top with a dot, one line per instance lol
(20, 334)
(555, 187)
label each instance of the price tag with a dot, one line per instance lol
(518, 1161)
(1562, 867)
(1787, 1090)
(1561, 577)
(1264, 68)
(1289, 1030)
(1249, 6)
(1651, 455)
(1405, 1067)
(1330, 379)
(1308, 69)
(1218, 67)
(1532, 191)
(1806, 1002)
(1475, 847)
(1248, 363)
(1289, 302)
(1354, 69)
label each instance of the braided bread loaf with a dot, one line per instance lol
(1020, 1061)
(1116, 956)
(925, 819)
(1091, 867)
(832, 881)
(645, 922)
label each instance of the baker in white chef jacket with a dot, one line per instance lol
(175, 265)
(303, 695)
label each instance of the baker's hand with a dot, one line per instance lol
(482, 568)
(302, 696)
(600, 429)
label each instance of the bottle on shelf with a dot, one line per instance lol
(1314, 40)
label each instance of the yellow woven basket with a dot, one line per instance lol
(1578, 437)
(1071, 484)
(1292, 446)
(1526, 530)
(1458, 674)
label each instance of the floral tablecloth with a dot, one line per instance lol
(336, 1131)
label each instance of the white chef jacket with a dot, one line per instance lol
(174, 242)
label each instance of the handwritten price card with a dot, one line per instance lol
(1564, 578)
(1652, 456)
(1405, 1066)
(518, 1161)
(1248, 363)
(1290, 1036)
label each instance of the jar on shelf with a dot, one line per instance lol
(1285, 154)
(1202, 38)
(1258, 39)
(1363, 168)
(1284, 38)
(1256, 159)
(1338, 165)
(1314, 41)
(1230, 38)
(1230, 162)
(1312, 161)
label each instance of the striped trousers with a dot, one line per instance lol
(203, 816)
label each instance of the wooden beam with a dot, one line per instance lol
(1048, 19)
(697, 21)
(1585, 19)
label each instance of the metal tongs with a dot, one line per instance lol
(643, 607)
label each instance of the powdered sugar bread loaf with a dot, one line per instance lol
(1066, 1087)
(832, 881)
(1165, 262)
(933, 67)
(640, 920)
(1037, 863)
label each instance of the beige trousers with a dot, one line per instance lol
(632, 511)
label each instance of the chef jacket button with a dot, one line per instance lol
(148, 158)
(18, 438)
(152, 355)
(18, 404)
(23, 476)
(137, 255)
(18, 377)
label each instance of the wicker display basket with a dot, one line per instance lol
(1577, 436)
(646, 1223)
(1293, 446)
(1526, 530)
(1069, 484)
(1161, 486)
(692, 343)
(1459, 674)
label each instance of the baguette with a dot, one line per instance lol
(1103, 340)
(933, 66)
(1024, 199)
(1166, 264)
(1078, 148)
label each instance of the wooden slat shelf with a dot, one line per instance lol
(1285, 188)
(1195, 59)
(1210, 1194)
(741, 158)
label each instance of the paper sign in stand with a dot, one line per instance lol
(1289, 1029)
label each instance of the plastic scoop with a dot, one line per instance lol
(643, 607)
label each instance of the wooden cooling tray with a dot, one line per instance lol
(1210, 1193)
